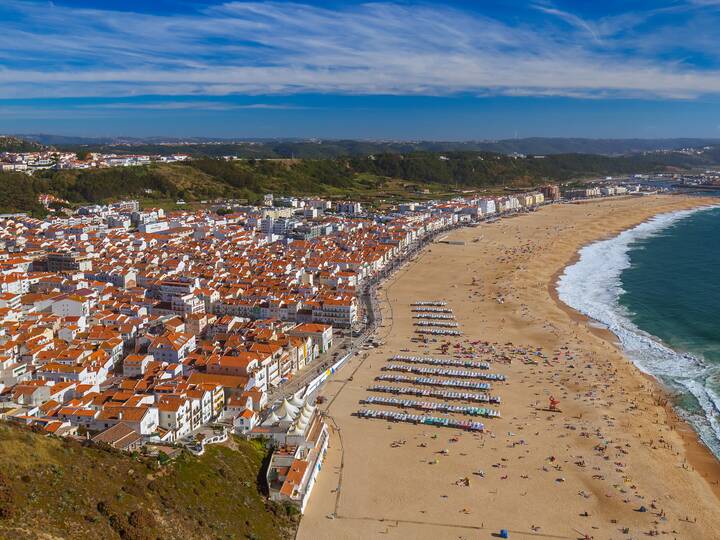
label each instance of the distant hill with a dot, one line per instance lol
(609, 147)
(329, 148)
(58, 488)
(363, 177)
(16, 144)
(360, 172)
(52, 140)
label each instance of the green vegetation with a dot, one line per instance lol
(57, 488)
(164, 181)
(16, 144)
(486, 170)
(304, 149)
(19, 193)
(209, 179)
(370, 178)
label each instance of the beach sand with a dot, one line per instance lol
(616, 445)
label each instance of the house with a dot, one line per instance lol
(120, 436)
(195, 323)
(224, 387)
(60, 372)
(321, 335)
(142, 418)
(203, 404)
(172, 347)
(10, 301)
(242, 364)
(340, 312)
(72, 306)
(31, 394)
(254, 398)
(175, 415)
(134, 365)
(245, 421)
(78, 416)
(217, 397)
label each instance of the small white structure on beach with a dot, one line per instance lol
(487, 206)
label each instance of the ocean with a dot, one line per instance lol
(657, 287)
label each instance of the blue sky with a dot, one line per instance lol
(400, 69)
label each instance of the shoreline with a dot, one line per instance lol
(372, 486)
(699, 455)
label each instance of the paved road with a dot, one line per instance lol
(347, 344)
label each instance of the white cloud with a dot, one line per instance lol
(377, 48)
(571, 19)
(188, 105)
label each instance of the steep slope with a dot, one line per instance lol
(57, 488)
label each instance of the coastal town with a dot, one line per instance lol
(148, 330)
(50, 159)
(409, 270)
(511, 411)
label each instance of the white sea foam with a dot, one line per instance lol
(592, 286)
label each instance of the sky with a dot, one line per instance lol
(402, 69)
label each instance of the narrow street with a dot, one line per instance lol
(344, 342)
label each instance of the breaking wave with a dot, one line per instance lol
(593, 287)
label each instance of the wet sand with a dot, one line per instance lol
(616, 445)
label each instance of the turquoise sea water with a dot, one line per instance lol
(657, 287)
(671, 290)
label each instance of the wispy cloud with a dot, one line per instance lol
(188, 106)
(264, 48)
(571, 19)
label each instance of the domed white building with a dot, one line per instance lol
(300, 436)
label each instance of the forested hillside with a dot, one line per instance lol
(209, 178)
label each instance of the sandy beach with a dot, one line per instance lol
(584, 472)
